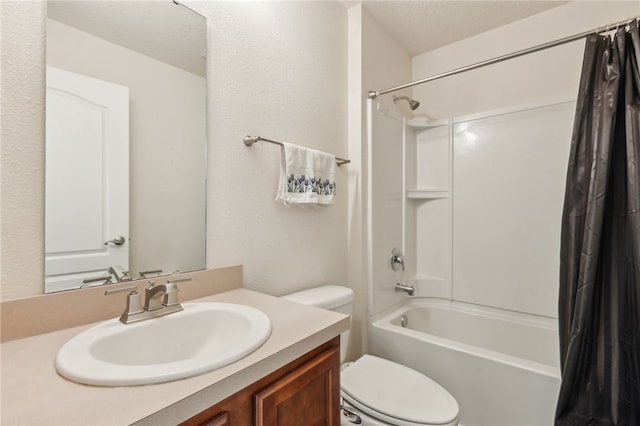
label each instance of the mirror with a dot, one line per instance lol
(125, 141)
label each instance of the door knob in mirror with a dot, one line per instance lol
(119, 240)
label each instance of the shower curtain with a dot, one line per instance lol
(599, 300)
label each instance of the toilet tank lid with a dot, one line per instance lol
(327, 296)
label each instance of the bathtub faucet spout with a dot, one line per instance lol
(406, 288)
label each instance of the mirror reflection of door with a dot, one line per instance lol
(87, 178)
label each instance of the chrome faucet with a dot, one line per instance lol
(159, 300)
(406, 288)
(116, 274)
(396, 259)
(143, 274)
(159, 296)
(119, 274)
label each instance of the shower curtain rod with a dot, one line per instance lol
(375, 94)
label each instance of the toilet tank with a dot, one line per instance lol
(332, 297)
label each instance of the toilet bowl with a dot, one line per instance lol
(375, 391)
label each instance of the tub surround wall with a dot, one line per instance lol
(506, 216)
(542, 78)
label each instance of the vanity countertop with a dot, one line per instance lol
(34, 394)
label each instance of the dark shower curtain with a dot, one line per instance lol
(599, 300)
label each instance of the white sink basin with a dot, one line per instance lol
(203, 337)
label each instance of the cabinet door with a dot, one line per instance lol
(307, 396)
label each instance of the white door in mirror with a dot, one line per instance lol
(201, 338)
(87, 174)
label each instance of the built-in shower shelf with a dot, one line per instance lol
(427, 194)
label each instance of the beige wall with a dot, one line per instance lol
(22, 156)
(276, 70)
(375, 60)
(356, 206)
(385, 64)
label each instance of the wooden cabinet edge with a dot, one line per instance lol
(239, 407)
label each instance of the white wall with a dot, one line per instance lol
(275, 69)
(509, 173)
(167, 146)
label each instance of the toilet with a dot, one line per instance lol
(375, 391)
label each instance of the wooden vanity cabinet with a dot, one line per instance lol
(303, 392)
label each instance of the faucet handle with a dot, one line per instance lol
(143, 274)
(170, 297)
(119, 273)
(104, 279)
(134, 305)
(132, 289)
(179, 281)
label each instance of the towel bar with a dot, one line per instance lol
(250, 140)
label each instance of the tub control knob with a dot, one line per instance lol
(396, 260)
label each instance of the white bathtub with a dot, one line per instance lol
(501, 366)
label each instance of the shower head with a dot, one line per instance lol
(413, 104)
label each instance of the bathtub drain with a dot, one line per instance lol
(404, 320)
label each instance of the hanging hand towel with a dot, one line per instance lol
(307, 176)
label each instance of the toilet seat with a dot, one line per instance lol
(397, 394)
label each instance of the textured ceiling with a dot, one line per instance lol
(421, 26)
(162, 30)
